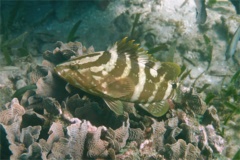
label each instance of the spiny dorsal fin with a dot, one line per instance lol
(126, 46)
(141, 56)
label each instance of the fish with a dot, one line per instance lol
(233, 44)
(236, 4)
(124, 72)
(201, 11)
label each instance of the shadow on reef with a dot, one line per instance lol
(58, 121)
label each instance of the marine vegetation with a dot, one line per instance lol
(233, 44)
(71, 36)
(7, 44)
(229, 106)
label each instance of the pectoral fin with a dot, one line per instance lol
(115, 105)
(120, 88)
(156, 109)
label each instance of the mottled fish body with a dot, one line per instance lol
(125, 72)
(233, 44)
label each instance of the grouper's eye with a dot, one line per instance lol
(174, 85)
(73, 66)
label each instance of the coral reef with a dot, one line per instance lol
(58, 121)
(37, 125)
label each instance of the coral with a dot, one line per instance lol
(10, 121)
(52, 106)
(122, 133)
(58, 121)
(13, 113)
(173, 134)
(78, 133)
(193, 45)
(48, 86)
(69, 49)
(32, 118)
(132, 152)
(30, 135)
(74, 102)
(55, 133)
(95, 145)
(25, 96)
(34, 152)
(12, 133)
(117, 138)
(193, 102)
(215, 141)
(45, 148)
(188, 132)
(181, 150)
(37, 72)
(136, 134)
(60, 149)
(65, 51)
(211, 117)
(158, 134)
(172, 122)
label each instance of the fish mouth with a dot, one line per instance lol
(61, 70)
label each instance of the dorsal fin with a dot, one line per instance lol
(126, 46)
(140, 55)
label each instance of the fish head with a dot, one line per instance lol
(84, 72)
(169, 79)
(69, 71)
(77, 73)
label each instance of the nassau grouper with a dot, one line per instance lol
(125, 72)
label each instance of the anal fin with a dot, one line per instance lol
(115, 105)
(156, 109)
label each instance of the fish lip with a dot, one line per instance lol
(58, 69)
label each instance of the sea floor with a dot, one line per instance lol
(40, 118)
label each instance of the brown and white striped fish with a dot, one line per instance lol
(125, 72)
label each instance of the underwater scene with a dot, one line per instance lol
(120, 79)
